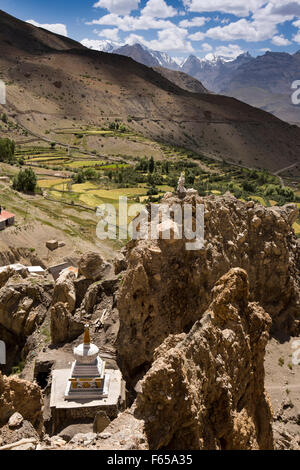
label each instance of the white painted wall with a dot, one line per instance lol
(2, 92)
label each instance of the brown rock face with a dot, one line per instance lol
(23, 305)
(20, 396)
(166, 288)
(64, 326)
(205, 389)
(91, 266)
(64, 290)
(65, 323)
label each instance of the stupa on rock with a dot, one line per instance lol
(88, 380)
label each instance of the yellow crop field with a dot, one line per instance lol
(85, 163)
(296, 227)
(78, 188)
(116, 193)
(90, 199)
(259, 199)
(52, 182)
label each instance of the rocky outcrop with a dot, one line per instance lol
(24, 431)
(64, 326)
(11, 255)
(205, 389)
(166, 288)
(92, 266)
(20, 396)
(23, 304)
(64, 290)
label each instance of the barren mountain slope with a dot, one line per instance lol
(52, 88)
(183, 80)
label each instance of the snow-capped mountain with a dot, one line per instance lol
(146, 56)
(102, 45)
(164, 59)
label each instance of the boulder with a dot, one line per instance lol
(84, 439)
(52, 245)
(64, 290)
(101, 422)
(91, 266)
(22, 397)
(15, 420)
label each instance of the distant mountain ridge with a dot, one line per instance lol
(264, 81)
(147, 56)
(56, 83)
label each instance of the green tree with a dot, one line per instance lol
(151, 165)
(25, 181)
(7, 150)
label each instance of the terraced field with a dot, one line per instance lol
(109, 153)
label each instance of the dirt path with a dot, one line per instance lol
(283, 387)
(277, 173)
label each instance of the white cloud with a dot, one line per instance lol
(131, 23)
(121, 7)
(111, 34)
(296, 37)
(231, 51)
(54, 28)
(172, 39)
(235, 7)
(249, 31)
(199, 36)
(197, 21)
(206, 47)
(281, 41)
(158, 9)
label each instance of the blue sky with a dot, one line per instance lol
(178, 27)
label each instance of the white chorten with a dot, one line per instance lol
(88, 379)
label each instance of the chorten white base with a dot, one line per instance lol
(88, 393)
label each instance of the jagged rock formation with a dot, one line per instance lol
(92, 266)
(20, 396)
(23, 304)
(23, 307)
(11, 255)
(205, 389)
(64, 290)
(64, 326)
(166, 288)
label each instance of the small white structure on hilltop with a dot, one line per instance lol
(2, 92)
(180, 187)
(88, 379)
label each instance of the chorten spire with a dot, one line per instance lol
(86, 337)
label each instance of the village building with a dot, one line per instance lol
(6, 219)
(18, 267)
(56, 270)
